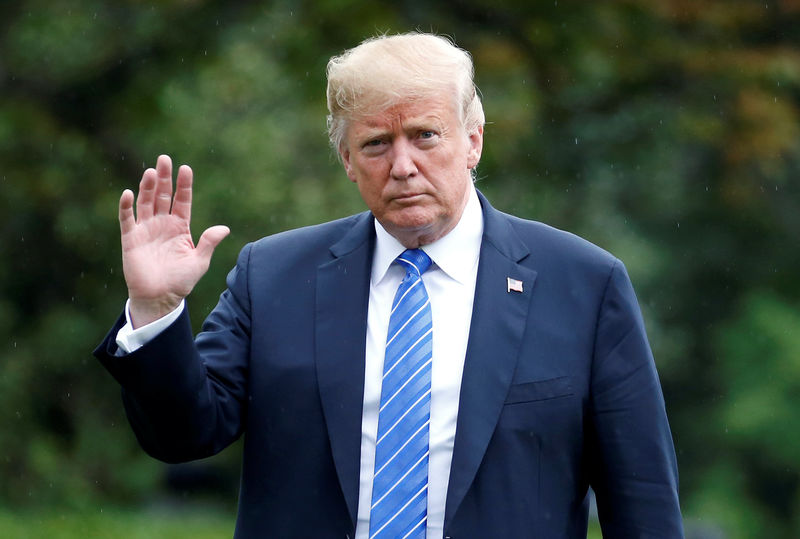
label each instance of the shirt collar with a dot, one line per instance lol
(456, 253)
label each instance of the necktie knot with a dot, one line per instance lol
(415, 261)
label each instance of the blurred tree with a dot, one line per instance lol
(667, 132)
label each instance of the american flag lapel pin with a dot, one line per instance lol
(514, 285)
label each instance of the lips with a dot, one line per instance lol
(408, 197)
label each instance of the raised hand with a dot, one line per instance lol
(159, 259)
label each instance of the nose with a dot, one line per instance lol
(403, 165)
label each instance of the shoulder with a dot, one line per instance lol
(309, 244)
(323, 233)
(543, 246)
(564, 263)
(546, 239)
(571, 272)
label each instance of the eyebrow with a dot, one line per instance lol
(418, 123)
(424, 125)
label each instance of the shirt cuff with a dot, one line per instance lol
(129, 339)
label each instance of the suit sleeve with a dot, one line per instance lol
(186, 398)
(633, 468)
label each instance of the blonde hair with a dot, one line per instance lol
(385, 70)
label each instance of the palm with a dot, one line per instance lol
(160, 261)
(158, 258)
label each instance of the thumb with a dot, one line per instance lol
(210, 239)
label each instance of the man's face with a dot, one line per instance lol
(412, 166)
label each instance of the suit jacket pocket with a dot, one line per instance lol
(540, 390)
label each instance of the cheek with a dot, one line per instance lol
(372, 175)
(369, 188)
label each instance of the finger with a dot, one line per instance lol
(147, 195)
(126, 219)
(164, 185)
(182, 205)
(210, 239)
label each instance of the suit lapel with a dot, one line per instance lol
(498, 322)
(342, 298)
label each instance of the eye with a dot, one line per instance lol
(373, 144)
(427, 138)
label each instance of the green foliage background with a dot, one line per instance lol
(665, 131)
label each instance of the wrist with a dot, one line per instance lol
(145, 311)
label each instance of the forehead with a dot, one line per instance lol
(437, 110)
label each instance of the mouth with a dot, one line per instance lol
(407, 198)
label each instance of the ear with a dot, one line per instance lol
(475, 147)
(344, 153)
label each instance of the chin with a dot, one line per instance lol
(412, 219)
(414, 233)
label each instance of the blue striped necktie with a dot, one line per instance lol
(400, 484)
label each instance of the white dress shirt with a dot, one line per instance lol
(130, 340)
(450, 282)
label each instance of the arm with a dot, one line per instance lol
(185, 398)
(632, 460)
(179, 408)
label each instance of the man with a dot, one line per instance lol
(479, 398)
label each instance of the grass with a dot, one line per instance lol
(116, 523)
(119, 523)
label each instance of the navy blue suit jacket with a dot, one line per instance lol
(559, 390)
